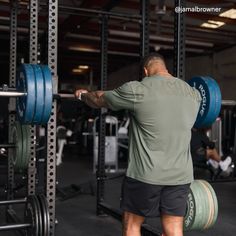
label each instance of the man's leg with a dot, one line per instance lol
(132, 224)
(172, 225)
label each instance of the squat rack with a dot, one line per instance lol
(50, 165)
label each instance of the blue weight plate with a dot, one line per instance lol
(217, 102)
(25, 105)
(211, 100)
(210, 116)
(206, 103)
(39, 101)
(48, 93)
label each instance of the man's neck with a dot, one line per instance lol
(162, 73)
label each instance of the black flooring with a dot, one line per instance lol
(76, 216)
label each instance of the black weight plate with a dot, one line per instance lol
(42, 210)
(40, 226)
(27, 140)
(45, 214)
(32, 216)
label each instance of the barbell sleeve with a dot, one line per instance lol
(14, 201)
(14, 226)
(11, 93)
(14, 93)
(228, 102)
(65, 96)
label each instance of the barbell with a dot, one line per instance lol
(34, 92)
(36, 216)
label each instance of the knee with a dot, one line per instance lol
(173, 232)
(172, 225)
(131, 224)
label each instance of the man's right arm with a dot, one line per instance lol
(93, 99)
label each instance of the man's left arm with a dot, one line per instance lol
(93, 99)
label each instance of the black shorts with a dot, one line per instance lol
(151, 200)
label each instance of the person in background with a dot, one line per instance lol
(203, 150)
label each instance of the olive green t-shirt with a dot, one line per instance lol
(162, 113)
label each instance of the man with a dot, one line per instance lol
(162, 110)
(203, 150)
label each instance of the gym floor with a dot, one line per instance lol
(77, 215)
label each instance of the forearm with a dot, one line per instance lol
(94, 99)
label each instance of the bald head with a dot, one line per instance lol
(154, 64)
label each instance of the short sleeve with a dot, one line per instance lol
(123, 97)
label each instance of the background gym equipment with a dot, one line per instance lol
(202, 206)
(111, 139)
(211, 100)
(36, 216)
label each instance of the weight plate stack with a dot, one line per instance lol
(202, 206)
(45, 214)
(25, 105)
(48, 93)
(32, 216)
(40, 216)
(214, 212)
(39, 98)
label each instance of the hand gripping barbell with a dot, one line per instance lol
(34, 92)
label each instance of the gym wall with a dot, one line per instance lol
(221, 66)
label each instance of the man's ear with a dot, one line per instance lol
(145, 71)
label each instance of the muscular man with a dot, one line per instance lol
(162, 111)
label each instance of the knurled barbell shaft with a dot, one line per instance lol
(14, 93)
(14, 226)
(64, 95)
